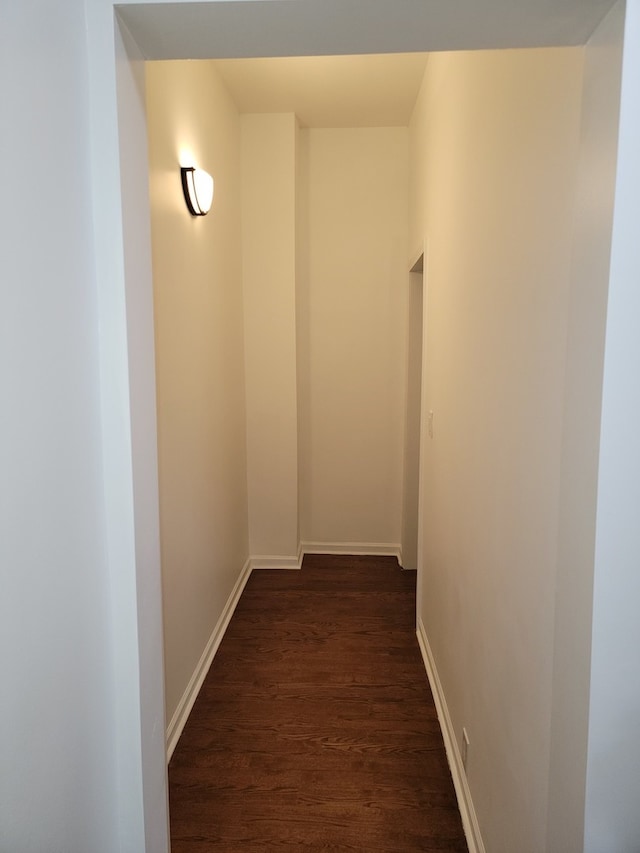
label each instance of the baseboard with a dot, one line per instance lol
(402, 563)
(366, 549)
(181, 715)
(266, 562)
(465, 803)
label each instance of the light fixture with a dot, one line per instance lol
(197, 186)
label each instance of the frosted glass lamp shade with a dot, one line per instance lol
(198, 190)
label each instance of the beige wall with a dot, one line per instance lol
(494, 142)
(269, 282)
(199, 357)
(581, 437)
(302, 315)
(352, 325)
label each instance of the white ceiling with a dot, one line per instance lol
(317, 58)
(329, 91)
(258, 28)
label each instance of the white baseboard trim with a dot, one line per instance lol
(181, 715)
(404, 567)
(357, 549)
(465, 803)
(261, 561)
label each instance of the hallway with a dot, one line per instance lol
(315, 728)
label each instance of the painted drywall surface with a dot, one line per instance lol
(612, 817)
(123, 267)
(581, 435)
(269, 270)
(500, 140)
(130, 79)
(418, 161)
(57, 751)
(302, 314)
(356, 367)
(197, 278)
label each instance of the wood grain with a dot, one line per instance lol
(315, 728)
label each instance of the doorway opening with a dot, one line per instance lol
(413, 417)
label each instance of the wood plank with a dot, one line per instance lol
(315, 728)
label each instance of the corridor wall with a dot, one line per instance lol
(495, 141)
(199, 322)
(352, 338)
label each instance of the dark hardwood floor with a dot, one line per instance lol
(315, 728)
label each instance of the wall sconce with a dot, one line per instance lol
(197, 186)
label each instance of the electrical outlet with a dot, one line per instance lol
(465, 748)
(430, 425)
